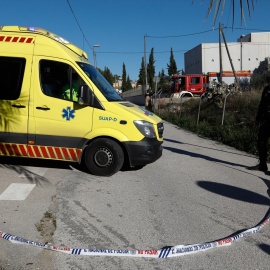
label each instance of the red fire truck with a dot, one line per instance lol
(197, 84)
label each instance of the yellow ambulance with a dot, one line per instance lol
(55, 105)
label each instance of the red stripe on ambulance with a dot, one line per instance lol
(73, 154)
(9, 149)
(78, 151)
(30, 151)
(29, 40)
(16, 150)
(44, 152)
(23, 150)
(16, 39)
(66, 155)
(37, 151)
(3, 150)
(58, 152)
(50, 149)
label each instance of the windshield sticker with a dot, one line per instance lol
(68, 113)
(107, 118)
(146, 112)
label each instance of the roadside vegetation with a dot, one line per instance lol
(238, 128)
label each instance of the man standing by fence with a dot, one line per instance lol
(148, 99)
(263, 119)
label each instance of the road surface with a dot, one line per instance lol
(199, 191)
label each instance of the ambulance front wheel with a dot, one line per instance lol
(104, 157)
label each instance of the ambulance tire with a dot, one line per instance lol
(104, 157)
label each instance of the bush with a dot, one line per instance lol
(237, 130)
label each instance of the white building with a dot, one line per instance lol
(246, 54)
(118, 84)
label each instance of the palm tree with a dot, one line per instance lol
(249, 4)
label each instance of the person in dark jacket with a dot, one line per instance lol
(263, 121)
(148, 99)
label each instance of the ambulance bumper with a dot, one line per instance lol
(143, 152)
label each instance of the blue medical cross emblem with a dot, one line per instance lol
(68, 113)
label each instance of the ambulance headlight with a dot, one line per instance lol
(146, 128)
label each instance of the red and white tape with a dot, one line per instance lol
(161, 253)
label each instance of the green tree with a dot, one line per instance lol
(164, 83)
(141, 79)
(108, 75)
(101, 71)
(172, 67)
(124, 78)
(249, 4)
(261, 75)
(129, 86)
(151, 69)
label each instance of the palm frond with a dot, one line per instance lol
(217, 10)
(242, 13)
(249, 4)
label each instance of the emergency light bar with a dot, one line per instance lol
(45, 32)
(55, 37)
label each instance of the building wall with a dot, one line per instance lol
(246, 55)
(193, 60)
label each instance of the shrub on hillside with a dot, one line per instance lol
(238, 128)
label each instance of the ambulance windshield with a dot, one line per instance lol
(100, 82)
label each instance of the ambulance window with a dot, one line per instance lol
(100, 82)
(57, 78)
(11, 77)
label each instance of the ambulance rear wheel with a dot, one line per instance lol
(104, 157)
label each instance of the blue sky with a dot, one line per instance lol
(119, 27)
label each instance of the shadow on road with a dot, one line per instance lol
(235, 193)
(24, 173)
(17, 165)
(240, 194)
(35, 162)
(265, 248)
(191, 154)
(174, 141)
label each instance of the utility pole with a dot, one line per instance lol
(236, 78)
(94, 54)
(220, 55)
(145, 64)
(241, 56)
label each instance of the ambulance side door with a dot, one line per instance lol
(15, 74)
(59, 123)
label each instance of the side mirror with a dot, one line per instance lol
(85, 96)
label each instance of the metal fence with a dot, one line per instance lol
(176, 104)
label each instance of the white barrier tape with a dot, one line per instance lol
(161, 253)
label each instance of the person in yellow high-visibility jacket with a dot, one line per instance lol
(75, 89)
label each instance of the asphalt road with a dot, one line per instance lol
(198, 191)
